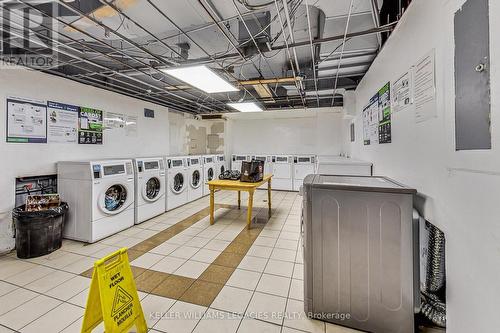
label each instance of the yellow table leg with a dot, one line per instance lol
(239, 199)
(212, 204)
(250, 206)
(269, 196)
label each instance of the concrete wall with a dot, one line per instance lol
(459, 190)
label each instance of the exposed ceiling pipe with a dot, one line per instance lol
(253, 39)
(292, 38)
(122, 13)
(103, 54)
(343, 48)
(271, 81)
(123, 90)
(376, 20)
(288, 51)
(227, 36)
(383, 28)
(194, 42)
(313, 65)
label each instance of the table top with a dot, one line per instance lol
(220, 183)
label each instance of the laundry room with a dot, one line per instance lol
(282, 166)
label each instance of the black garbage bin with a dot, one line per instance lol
(38, 233)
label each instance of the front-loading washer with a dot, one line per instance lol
(100, 195)
(303, 165)
(282, 172)
(237, 159)
(221, 163)
(195, 172)
(149, 188)
(210, 171)
(177, 182)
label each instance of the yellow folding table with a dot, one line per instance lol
(236, 185)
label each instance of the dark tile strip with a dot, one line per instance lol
(201, 291)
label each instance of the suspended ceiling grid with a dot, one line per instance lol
(311, 52)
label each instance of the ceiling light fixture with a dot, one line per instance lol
(246, 107)
(201, 77)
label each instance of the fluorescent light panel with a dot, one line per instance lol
(201, 77)
(246, 107)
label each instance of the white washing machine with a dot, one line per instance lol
(177, 182)
(236, 160)
(100, 195)
(210, 171)
(282, 172)
(268, 165)
(222, 164)
(303, 165)
(149, 188)
(195, 176)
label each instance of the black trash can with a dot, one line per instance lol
(38, 233)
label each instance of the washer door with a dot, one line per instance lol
(196, 179)
(210, 174)
(151, 189)
(114, 199)
(177, 183)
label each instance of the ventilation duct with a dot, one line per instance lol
(258, 28)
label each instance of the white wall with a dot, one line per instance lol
(20, 159)
(460, 189)
(285, 132)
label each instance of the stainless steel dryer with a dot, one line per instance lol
(358, 252)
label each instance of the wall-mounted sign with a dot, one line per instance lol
(370, 121)
(62, 123)
(148, 113)
(402, 92)
(26, 120)
(384, 106)
(425, 88)
(90, 126)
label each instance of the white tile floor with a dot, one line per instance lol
(264, 294)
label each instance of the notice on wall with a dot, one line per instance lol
(131, 126)
(425, 88)
(402, 94)
(371, 121)
(90, 125)
(62, 123)
(26, 120)
(384, 108)
(113, 120)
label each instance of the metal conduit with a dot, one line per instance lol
(111, 58)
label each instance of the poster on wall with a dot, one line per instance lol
(131, 126)
(26, 120)
(425, 88)
(90, 125)
(402, 92)
(371, 121)
(62, 123)
(113, 120)
(384, 108)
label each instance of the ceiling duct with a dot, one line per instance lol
(258, 28)
(301, 33)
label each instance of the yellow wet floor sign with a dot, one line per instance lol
(113, 297)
